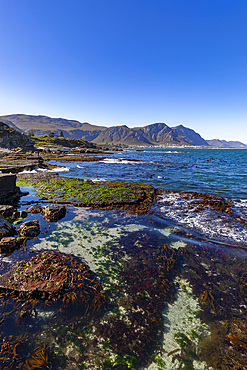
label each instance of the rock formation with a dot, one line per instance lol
(11, 138)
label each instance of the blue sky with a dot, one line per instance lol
(132, 62)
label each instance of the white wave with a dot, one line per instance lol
(78, 166)
(98, 180)
(161, 177)
(182, 208)
(57, 169)
(60, 169)
(120, 160)
(31, 171)
(5, 150)
(6, 259)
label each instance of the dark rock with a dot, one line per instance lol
(8, 189)
(6, 229)
(23, 193)
(29, 229)
(34, 209)
(23, 214)
(53, 212)
(7, 210)
(15, 215)
(9, 244)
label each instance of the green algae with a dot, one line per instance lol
(88, 194)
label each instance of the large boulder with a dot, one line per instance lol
(29, 229)
(9, 244)
(6, 229)
(53, 212)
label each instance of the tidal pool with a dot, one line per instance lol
(164, 299)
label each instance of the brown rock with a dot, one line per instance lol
(53, 212)
(34, 209)
(48, 275)
(9, 244)
(29, 229)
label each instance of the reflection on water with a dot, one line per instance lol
(171, 302)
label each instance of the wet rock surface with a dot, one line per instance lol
(29, 229)
(67, 190)
(53, 212)
(34, 209)
(9, 244)
(6, 229)
(7, 210)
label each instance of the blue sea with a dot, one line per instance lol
(217, 171)
(174, 279)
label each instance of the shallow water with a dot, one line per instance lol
(175, 292)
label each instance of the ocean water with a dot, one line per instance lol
(175, 279)
(217, 171)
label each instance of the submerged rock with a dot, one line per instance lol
(45, 275)
(50, 275)
(23, 214)
(29, 229)
(53, 212)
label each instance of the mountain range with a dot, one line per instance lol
(153, 134)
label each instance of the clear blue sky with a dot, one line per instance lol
(133, 62)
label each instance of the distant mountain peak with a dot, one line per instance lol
(157, 133)
(193, 137)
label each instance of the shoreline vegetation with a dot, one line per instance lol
(150, 300)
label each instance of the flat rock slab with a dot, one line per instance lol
(89, 194)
